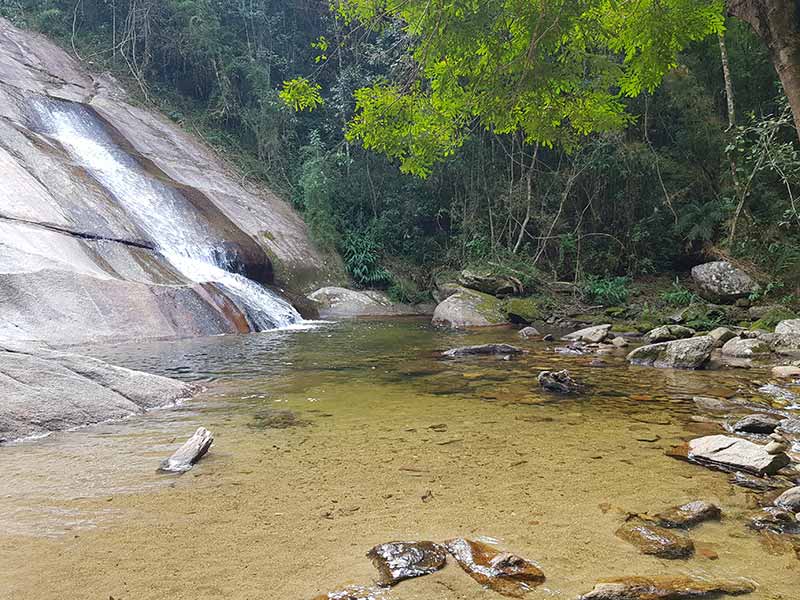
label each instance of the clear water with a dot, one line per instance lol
(164, 215)
(396, 444)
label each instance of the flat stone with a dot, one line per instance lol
(592, 335)
(397, 561)
(482, 350)
(691, 353)
(757, 423)
(654, 540)
(736, 454)
(665, 588)
(688, 515)
(504, 573)
(789, 500)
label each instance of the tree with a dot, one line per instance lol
(777, 23)
(555, 70)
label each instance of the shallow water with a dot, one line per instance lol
(388, 442)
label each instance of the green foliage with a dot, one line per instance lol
(679, 295)
(406, 291)
(608, 291)
(301, 94)
(363, 261)
(773, 317)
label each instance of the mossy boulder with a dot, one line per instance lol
(523, 310)
(469, 308)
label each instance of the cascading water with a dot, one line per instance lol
(178, 231)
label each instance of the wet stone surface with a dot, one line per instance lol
(654, 540)
(688, 515)
(665, 588)
(560, 382)
(397, 561)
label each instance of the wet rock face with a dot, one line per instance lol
(591, 335)
(397, 561)
(688, 515)
(654, 540)
(504, 573)
(721, 282)
(691, 353)
(560, 382)
(664, 588)
(482, 350)
(758, 423)
(736, 454)
(667, 333)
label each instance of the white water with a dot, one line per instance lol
(178, 231)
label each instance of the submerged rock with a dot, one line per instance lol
(667, 333)
(789, 500)
(757, 423)
(187, 455)
(468, 308)
(275, 418)
(691, 353)
(591, 335)
(721, 282)
(654, 540)
(354, 593)
(664, 588)
(397, 561)
(560, 382)
(688, 515)
(776, 520)
(482, 350)
(504, 573)
(736, 454)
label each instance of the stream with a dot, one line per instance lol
(331, 440)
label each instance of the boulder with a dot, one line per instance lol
(397, 561)
(720, 335)
(522, 310)
(560, 382)
(482, 350)
(505, 573)
(337, 302)
(654, 540)
(665, 588)
(791, 326)
(721, 282)
(745, 348)
(467, 309)
(785, 343)
(490, 283)
(691, 353)
(688, 515)
(667, 333)
(786, 372)
(592, 335)
(757, 423)
(44, 391)
(736, 454)
(620, 342)
(531, 332)
(444, 290)
(789, 500)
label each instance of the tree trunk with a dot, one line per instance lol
(777, 23)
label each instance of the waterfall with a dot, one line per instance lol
(178, 231)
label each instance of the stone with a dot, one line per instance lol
(548, 338)
(757, 423)
(354, 592)
(776, 448)
(482, 350)
(736, 454)
(338, 302)
(786, 372)
(43, 390)
(185, 457)
(745, 348)
(722, 283)
(665, 588)
(789, 500)
(397, 561)
(789, 326)
(591, 335)
(531, 332)
(505, 573)
(620, 342)
(720, 335)
(776, 520)
(759, 312)
(522, 310)
(691, 353)
(785, 343)
(688, 515)
(467, 309)
(667, 333)
(654, 540)
(711, 404)
(490, 283)
(560, 382)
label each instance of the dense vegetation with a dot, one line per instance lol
(654, 179)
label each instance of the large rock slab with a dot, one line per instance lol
(721, 282)
(42, 391)
(665, 588)
(734, 453)
(691, 353)
(591, 335)
(338, 302)
(467, 309)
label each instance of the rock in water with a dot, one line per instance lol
(789, 500)
(732, 453)
(691, 353)
(187, 455)
(482, 350)
(776, 520)
(757, 423)
(745, 348)
(786, 372)
(467, 308)
(591, 335)
(530, 332)
(721, 282)
(667, 333)
(505, 573)
(397, 561)
(654, 540)
(560, 382)
(688, 515)
(664, 588)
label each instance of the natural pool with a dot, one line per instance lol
(385, 441)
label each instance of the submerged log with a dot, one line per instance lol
(187, 455)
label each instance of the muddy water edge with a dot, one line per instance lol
(333, 440)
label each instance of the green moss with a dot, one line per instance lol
(523, 310)
(772, 318)
(490, 307)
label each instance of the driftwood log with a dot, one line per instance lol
(187, 455)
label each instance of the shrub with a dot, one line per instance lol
(679, 295)
(362, 260)
(608, 291)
